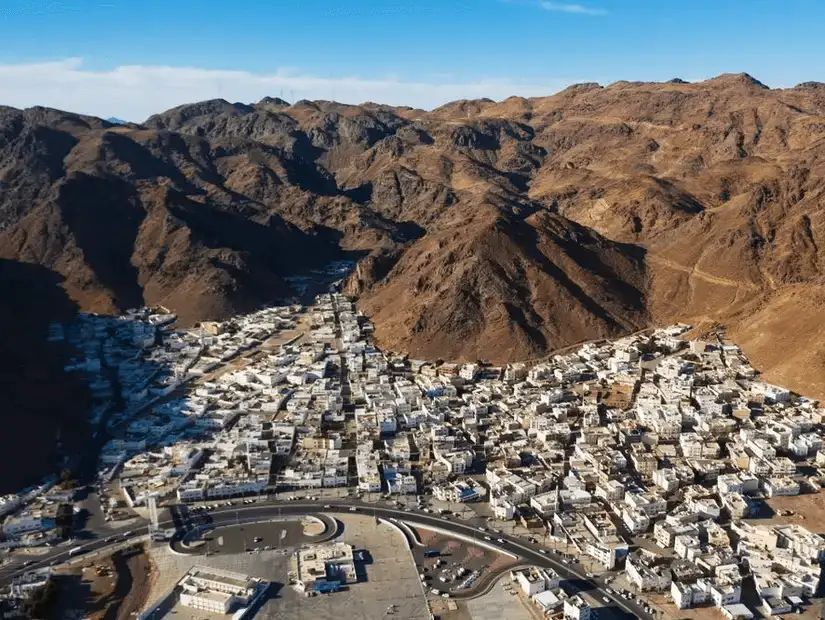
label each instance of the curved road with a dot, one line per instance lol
(264, 511)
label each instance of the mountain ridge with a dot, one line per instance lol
(484, 229)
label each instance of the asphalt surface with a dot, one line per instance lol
(262, 511)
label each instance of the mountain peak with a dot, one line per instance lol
(745, 79)
(810, 86)
(273, 101)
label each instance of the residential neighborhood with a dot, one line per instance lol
(651, 455)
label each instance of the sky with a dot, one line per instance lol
(130, 59)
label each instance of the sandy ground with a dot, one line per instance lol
(809, 511)
(313, 527)
(450, 610)
(114, 588)
(671, 612)
(498, 604)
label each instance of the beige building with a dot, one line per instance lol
(216, 591)
(320, 566)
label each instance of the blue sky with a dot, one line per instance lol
(112, 57)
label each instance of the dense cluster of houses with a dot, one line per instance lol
(649, 437)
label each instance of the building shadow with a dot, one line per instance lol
(362, 559)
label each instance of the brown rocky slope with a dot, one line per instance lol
(484, 230)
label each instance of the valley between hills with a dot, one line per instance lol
(482, 230)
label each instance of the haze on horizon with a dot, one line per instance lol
(104, 57)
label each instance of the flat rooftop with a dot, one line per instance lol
(182, 612)
(237, 580)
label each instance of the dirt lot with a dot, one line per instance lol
(809, 511)
(112, 588)
(671, 612)
(450, 609)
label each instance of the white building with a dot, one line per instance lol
(216, 591)
(26, 524)
(647, 577)
(575, 608)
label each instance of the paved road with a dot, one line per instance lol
(527, 552)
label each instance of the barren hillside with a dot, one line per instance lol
(495, 230)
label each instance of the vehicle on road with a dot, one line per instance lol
(353, 508)
(75, 551)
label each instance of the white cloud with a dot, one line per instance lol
(134, 92)
(578, 9)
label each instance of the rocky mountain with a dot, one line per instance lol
(482, 229)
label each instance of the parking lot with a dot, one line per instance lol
(257, 537)
(456, 567)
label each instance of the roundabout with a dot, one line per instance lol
(281, 533)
